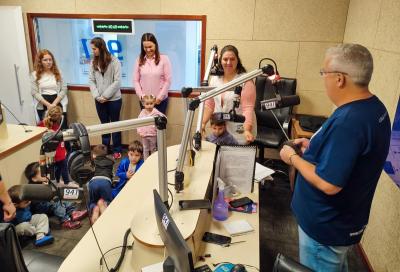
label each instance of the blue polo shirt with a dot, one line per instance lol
(348, 151)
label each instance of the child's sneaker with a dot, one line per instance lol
(78, 215)
(46, 240)
(71, 224)
(117, 155)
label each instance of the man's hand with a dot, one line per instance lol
(303, 143)
(286, 153)
(9, 211)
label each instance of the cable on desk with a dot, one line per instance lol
(172, 199)
(114, 248)
(122, 256)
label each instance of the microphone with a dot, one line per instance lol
(13, 115)
(232, 117)
(280, 102)
(42, 192)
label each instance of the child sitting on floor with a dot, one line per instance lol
(129, 166)
(27, 223)
(100, 186)
(65, 211)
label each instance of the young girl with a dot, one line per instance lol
(105, 84)
(52, 121)
(148, 133)
(47, 85)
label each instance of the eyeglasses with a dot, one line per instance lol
(323, 72)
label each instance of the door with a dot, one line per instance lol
(14, 68)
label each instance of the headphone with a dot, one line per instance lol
(79, 162)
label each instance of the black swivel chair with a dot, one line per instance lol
(269, 134)
(286, 264)
(13, 259)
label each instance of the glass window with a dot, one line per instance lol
(69, 41)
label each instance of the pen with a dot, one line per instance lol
(237, 242)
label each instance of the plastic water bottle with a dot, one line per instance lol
(220, 209)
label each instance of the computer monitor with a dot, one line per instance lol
(178, 249)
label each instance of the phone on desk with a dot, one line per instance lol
(194, 204)
(240, 202)
(218, 239)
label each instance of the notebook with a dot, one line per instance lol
(238, 227)
(235, 165)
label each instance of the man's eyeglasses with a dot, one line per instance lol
(323, 72)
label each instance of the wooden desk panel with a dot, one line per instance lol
(17, 150)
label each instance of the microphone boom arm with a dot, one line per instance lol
(193, 105)
(161, 124)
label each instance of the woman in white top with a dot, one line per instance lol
(47, 85)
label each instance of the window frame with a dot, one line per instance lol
(32, 37)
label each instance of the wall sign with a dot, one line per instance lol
(110, 26)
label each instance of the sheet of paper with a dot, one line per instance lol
(235, 166)
(262, 172)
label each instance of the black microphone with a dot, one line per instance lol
(280, 102)
(19, 122)
(43, 192)
(232, 117)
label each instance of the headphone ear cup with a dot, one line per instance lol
(79, 167)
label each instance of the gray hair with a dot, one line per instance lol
(353, 59)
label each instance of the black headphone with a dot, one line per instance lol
(79, 162)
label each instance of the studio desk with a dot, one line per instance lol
(134, 207)
(19, 146)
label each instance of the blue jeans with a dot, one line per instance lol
(61, 210)
(61, 170)
(110, 112)
(320, 257)
(99, 188)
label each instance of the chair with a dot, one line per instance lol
(12, 258)
(269, 134)
(286, 264)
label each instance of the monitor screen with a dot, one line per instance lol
(178, 249)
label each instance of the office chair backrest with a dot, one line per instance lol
(265, 90)
(11, 258)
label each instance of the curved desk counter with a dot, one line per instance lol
(134, 207)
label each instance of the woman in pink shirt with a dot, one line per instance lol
(232, 67)
(152, 73)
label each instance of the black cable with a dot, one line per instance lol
(122, 256)
(20, 123)
(171, 170)
(172, 199)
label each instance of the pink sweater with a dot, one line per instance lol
(247, 101)
(151, 78)
(151, 130)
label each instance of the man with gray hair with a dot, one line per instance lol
(340, 166)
